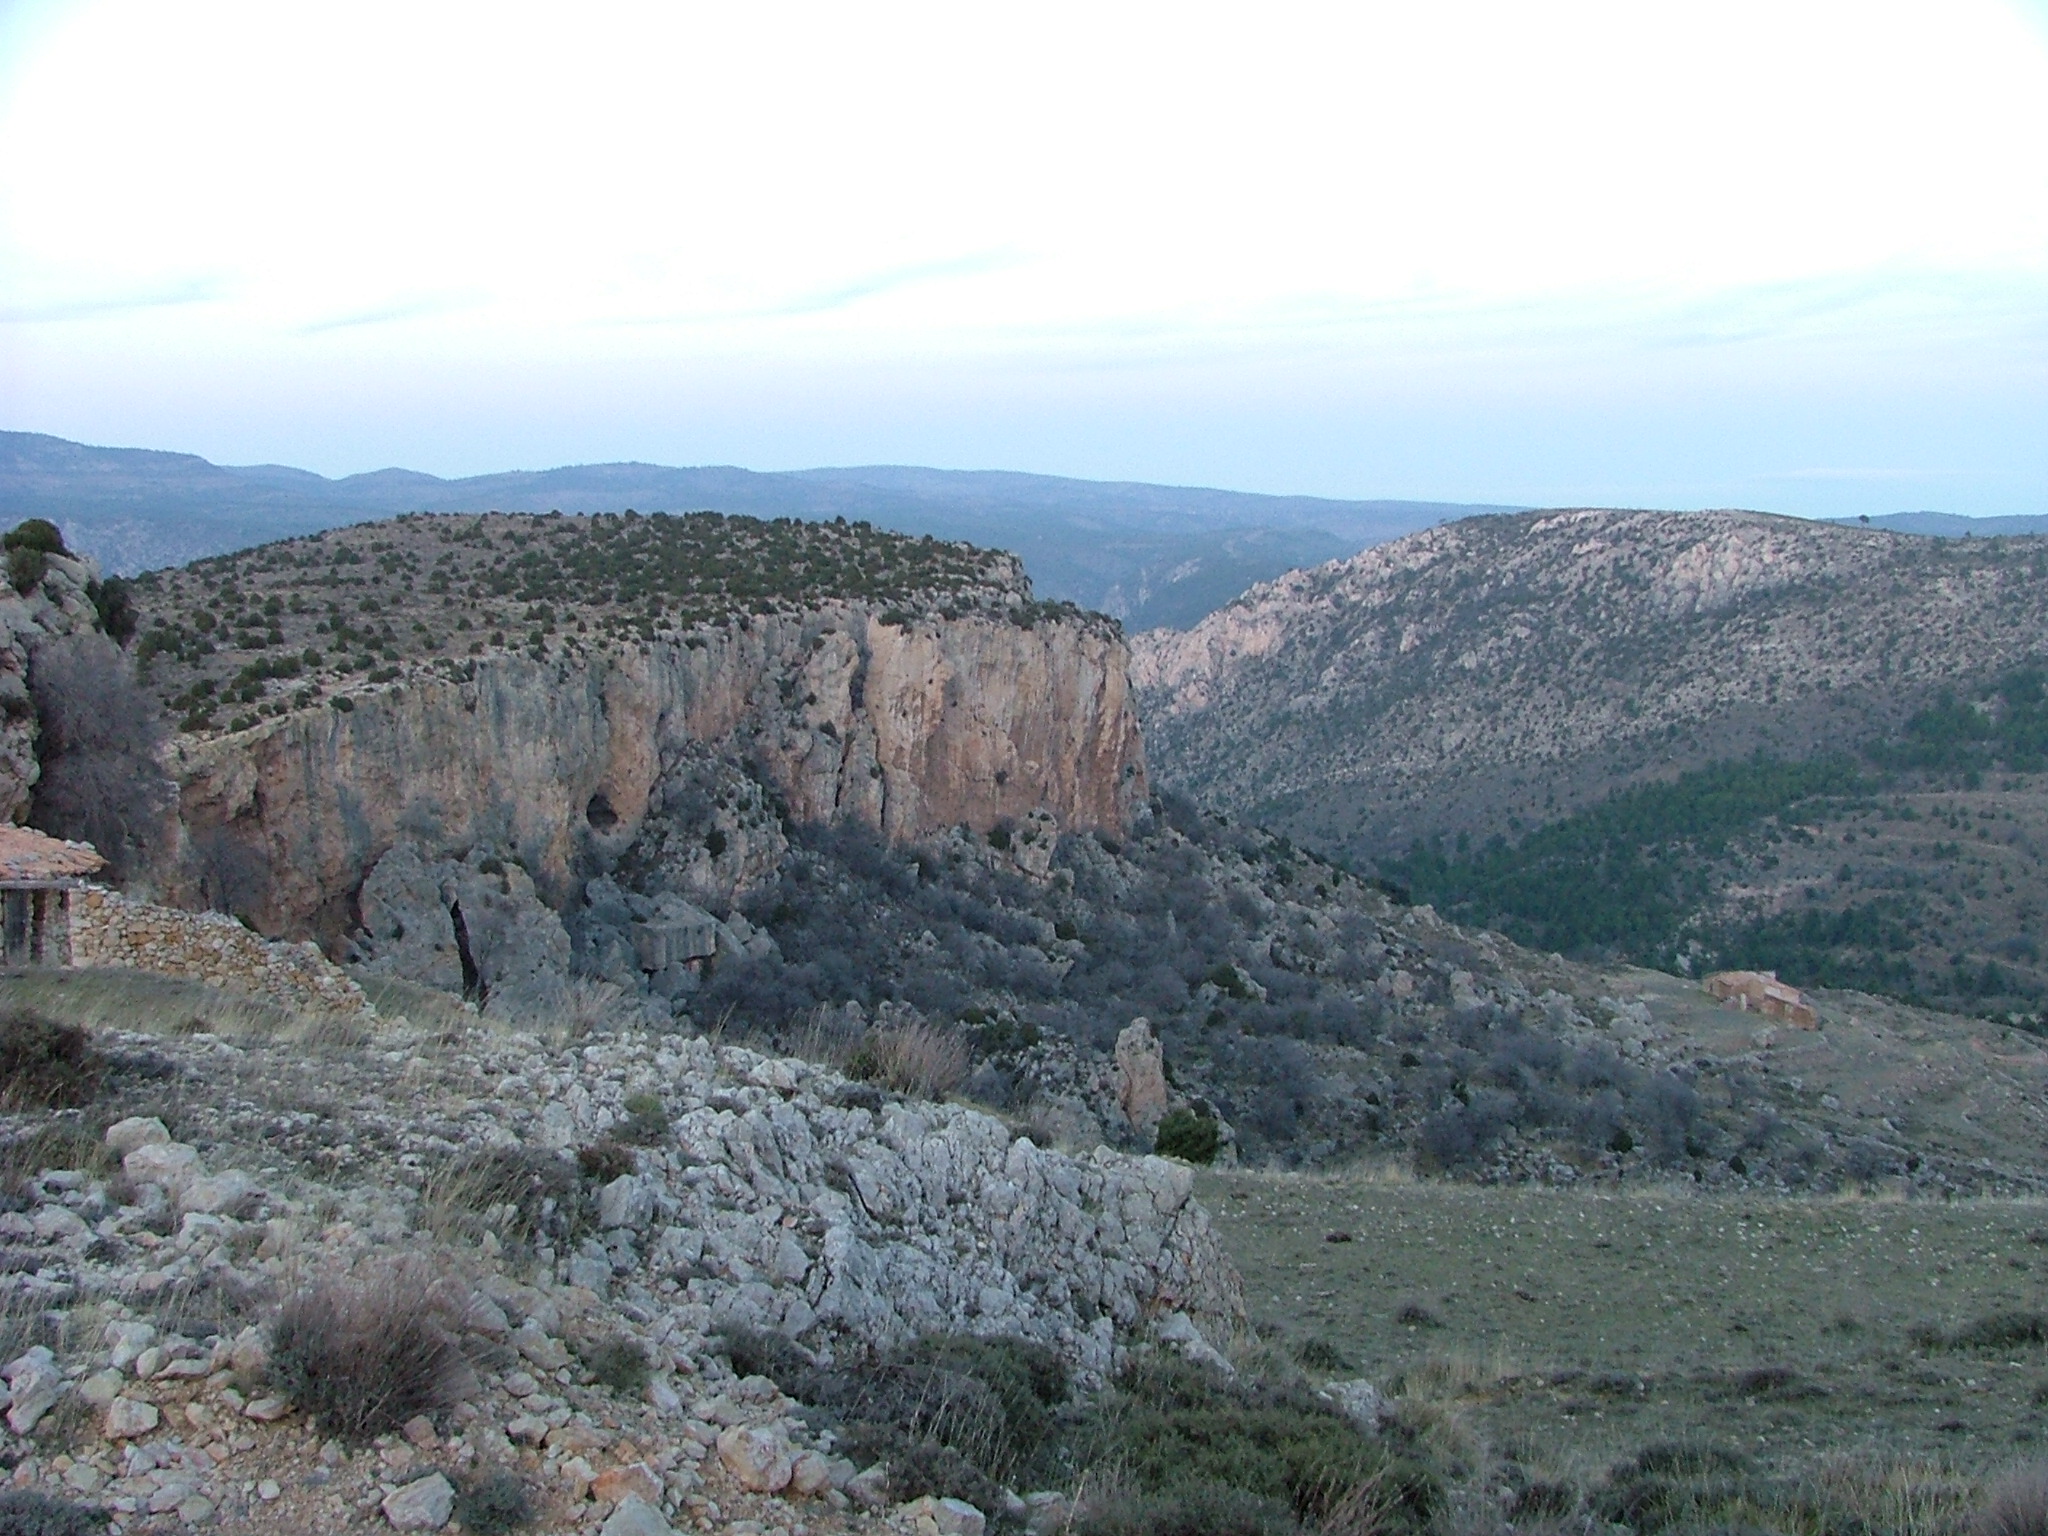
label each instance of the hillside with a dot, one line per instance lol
(1146, 554)
(1479, 682)
(814, 785)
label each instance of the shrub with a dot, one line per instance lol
(1186, 1434)
(44, 1063)
(365, 1353)
(603, 1161)
(1189, 1135)
(619, 1364)
(918, 1060)
(23, 1513)
(493, 1502)
(26, 568)
(36, 533)
(114, 601)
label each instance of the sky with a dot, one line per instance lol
(1784, 255)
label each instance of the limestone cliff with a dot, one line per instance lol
(911, 725)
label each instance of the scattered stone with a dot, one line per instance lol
(424, 1505)
(615, 1484)
(127, 1418)
(635, 1516)
(267, 1410)
(35, 1384)
(930, 1516)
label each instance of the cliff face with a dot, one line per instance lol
(909, 727)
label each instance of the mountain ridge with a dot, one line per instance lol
(1146, 554)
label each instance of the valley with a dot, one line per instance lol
(778, 948)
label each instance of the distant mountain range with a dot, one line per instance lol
(1152, 555)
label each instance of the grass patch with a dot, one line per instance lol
(523, 1195)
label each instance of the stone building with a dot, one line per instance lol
(39, 877)
(1762, 992)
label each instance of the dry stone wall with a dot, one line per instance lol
(115, 930)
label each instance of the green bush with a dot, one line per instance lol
(1190, 1135)
(36, 533)
(26, 568)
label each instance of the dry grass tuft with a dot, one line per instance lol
(2015, 1505)
(921, 1061)
(519, 1194)
(365, 1352)
(45, 1063)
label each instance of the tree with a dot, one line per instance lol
(101, 729)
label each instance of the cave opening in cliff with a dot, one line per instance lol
(474, 987)
(599, 813)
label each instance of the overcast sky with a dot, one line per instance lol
(1783, 255)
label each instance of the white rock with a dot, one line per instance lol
(943, 1517)
(420, 1506)
(34, 1385)
(124, 1136)
(758, 1458)
(625, 1202)
(128, 1418)
(128, 1340)
(169, 1164)
(215, 1193)
(636, 1517)
(1359, 1401)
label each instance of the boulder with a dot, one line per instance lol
(758, 1458)
(127, 1418)
(424, 1505)
(124, 1136)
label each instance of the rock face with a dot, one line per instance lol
(56, 606)
(1141, 1087)
(909, 727)
(1511, 667)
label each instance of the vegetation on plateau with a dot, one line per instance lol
(232, 639)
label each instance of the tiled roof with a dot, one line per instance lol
(27, 855)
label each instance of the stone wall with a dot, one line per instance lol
(110, 929)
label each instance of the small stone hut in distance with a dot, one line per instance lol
(38, 876)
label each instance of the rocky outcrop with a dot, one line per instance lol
(56, 606)
(774, 1195)
(555, 764)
